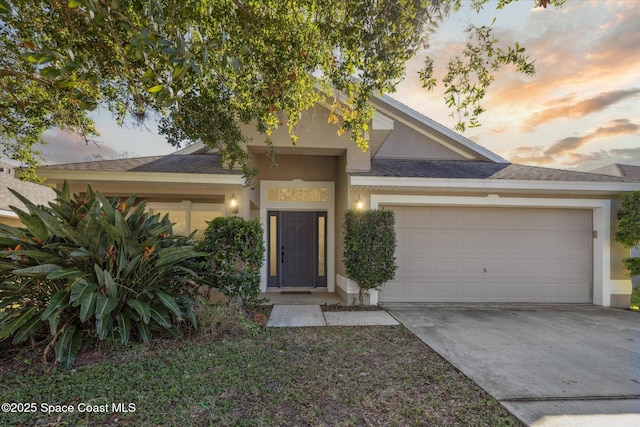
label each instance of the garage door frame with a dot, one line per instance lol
(601, 208)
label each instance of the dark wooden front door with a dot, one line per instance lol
(297, 247)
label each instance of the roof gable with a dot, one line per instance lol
(433, 131)
(404, 133)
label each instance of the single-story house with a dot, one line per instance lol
(471, 227)
(38, 194)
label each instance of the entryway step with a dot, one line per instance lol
(296, 315)
(311, 315)
(359, 318)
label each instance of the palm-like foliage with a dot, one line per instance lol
(89, 268)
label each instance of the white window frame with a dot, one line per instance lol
(187, 206)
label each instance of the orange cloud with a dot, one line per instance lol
(572, 55)
(540, 155)
(577, 110)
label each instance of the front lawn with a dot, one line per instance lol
(346, 376)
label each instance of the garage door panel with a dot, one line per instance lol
(416, 265)
(491, 254)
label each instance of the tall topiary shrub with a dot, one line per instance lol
(628, 232)
(90, 269)
(236, 253)
(369, 248)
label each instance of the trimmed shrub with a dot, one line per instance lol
(236, 252)
(628, 233)
(87, 268)
(369, 248)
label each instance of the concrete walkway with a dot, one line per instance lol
(297, 315)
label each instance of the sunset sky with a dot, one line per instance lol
(580, 111)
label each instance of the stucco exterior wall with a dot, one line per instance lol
(12, 222)
(289, 167)
(314, 133)
(342, 197)
(406, 143)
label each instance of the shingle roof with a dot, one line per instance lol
(194, 163)
(37, 194)
(477, 170)
(617, 169)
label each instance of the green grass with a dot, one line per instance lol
(635, 300)
(333, 376)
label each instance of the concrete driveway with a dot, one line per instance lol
(550, 365)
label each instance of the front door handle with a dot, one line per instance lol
(282, 255)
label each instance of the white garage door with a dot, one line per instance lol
(469, 254)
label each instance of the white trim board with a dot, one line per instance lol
(493, 184)
(171, 177)
(602, 283)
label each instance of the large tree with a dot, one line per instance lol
(205, 67)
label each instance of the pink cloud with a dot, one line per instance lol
(564, 108)
(67, 147)
(566, 147)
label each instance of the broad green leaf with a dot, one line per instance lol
(54, 321)
(112, 231)
(73, 4)
(110, 284)
(65, 193)
(80, 253)
(104, 306)
(155, 89)
(7, 328)
(104, 326)
(170, 303)
(80, 290)
(132, 266)
(124, 326)
(160, 315)
(88, 306)
(65, 274)
(59, 300)
(68, 346)
(187, 304)
(52, 224)
(74, 235)
(29, 328)
(142, 308)
(122, 261)
(99, 275)
(106, 207)
(5, 8)
(33, 223)
(38, 270)
(121, 225)
(145, 333)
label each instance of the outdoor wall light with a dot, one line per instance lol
(233, 202)
(359, 203)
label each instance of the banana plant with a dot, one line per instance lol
(88, 268)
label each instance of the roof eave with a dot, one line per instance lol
(492, 184)
(125, 176)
